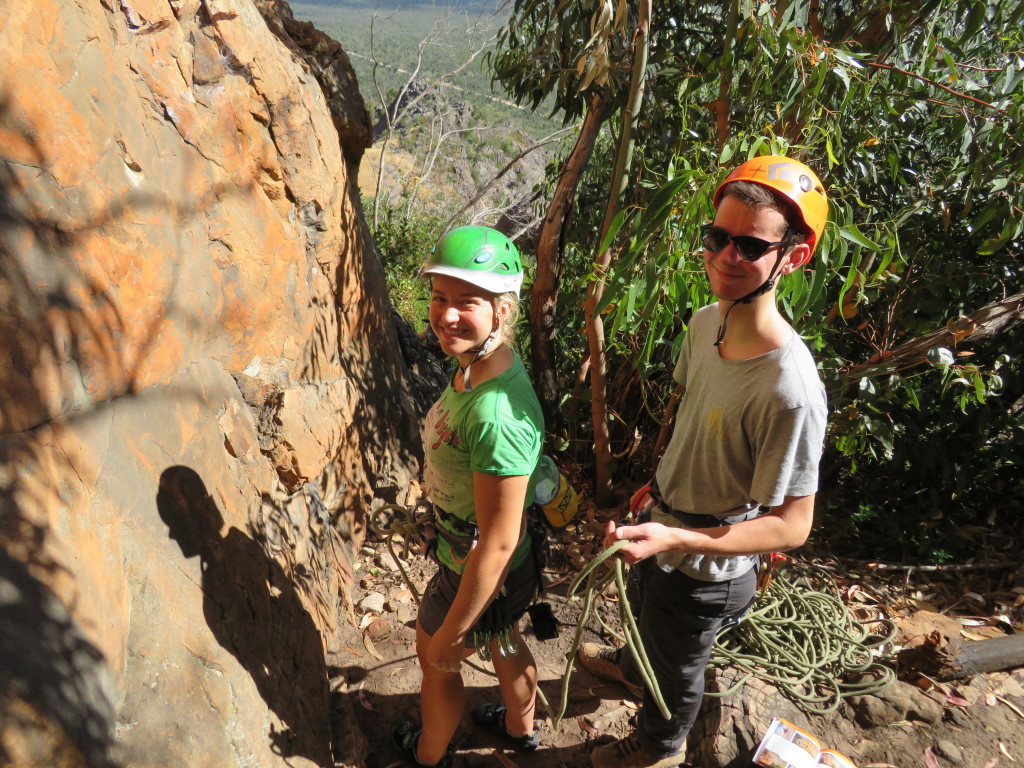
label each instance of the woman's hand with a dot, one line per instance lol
(446, 651)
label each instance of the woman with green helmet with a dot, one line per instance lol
(482, 440)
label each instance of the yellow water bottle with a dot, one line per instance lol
(553, 494)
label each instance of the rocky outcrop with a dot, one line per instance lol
(202, 389)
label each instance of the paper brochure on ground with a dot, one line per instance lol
(785, 745)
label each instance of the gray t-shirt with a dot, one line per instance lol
(748, 433)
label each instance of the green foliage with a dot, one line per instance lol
(912, 116)
(403, 243)
(943, 467)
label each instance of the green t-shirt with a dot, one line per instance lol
(497, 429)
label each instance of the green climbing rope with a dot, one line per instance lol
(593, 580)
(801, 637)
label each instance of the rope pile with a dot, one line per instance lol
(800, 637)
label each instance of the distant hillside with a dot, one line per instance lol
(395, 36)
(388, 47)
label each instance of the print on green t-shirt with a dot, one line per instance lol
(495, 429)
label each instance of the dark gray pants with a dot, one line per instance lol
(678, 617)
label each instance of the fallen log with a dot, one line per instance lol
(960, 659)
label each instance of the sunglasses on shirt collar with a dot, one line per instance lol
(748, 248)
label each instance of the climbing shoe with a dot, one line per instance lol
(603, 661)
(405, 736)
(491, 717)
(628, 753)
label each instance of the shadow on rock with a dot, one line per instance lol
(55, 691)
(253, 610)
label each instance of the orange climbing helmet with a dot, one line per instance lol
(794, 180)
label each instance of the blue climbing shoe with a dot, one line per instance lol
(405, 736)
(491, 717)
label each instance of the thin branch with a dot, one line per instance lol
(395, 113)
(988, 322)
(523, 230)
(552, 137)
(931, 82)
(442, 137)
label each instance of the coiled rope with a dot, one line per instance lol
(801, 637)
(592, 586)
(404, 524)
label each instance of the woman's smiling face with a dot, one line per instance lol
(462, 315)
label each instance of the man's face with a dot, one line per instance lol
(733, 277)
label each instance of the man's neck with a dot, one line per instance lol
(753, 329)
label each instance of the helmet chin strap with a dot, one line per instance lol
(766, 286)
(481, 351)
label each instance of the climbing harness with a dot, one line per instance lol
(419, 530)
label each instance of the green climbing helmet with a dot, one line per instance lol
(481, 256)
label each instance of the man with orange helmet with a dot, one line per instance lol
(739, 475)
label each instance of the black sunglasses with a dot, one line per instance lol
(749, 248)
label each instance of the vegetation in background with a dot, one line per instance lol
(912, 114)
(403, 243)
(442, 135)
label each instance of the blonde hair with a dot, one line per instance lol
(508, 328)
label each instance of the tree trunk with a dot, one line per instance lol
(723, 104)
(544, 295)
(595, 327)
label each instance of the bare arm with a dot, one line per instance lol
(499, 514)
(787, 526)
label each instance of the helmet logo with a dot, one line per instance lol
(482, 258)
(777, 171)
(805, 183)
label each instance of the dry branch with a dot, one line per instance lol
(990, 321)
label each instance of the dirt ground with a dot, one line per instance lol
(981, 723)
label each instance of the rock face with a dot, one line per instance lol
(202, 388)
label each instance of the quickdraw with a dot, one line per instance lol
(507, 646)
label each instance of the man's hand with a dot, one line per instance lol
(644, 540)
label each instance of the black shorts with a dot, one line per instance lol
(518, 591)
